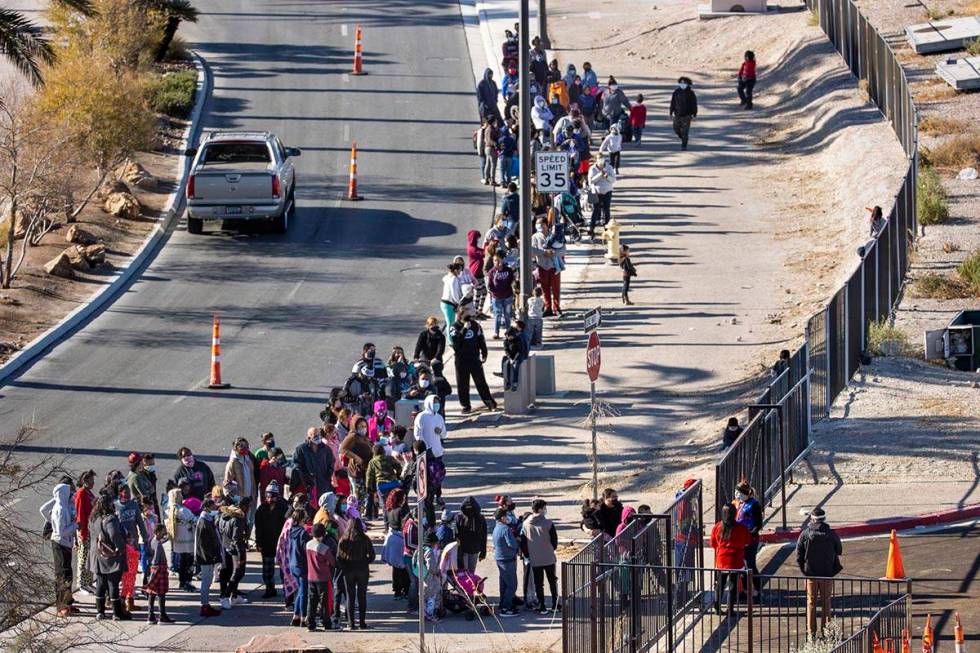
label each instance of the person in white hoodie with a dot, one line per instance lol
(430, 428)
(452, 292)
(60, 513)
(541, 116)
(612, 146)
(602, 178)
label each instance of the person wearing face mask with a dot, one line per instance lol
(241, 469)
(269, 520)
(84, 504)
(452, 293)
(749, 514)
(500, 280)
(315, 463)
(233, 526)
(431, 343)
(422, 387)
(540, 539)
(158, 583)
(505, 550)
(612, 146)
(272, 470)
(356, 448)
(547, 259)
(602, 179)
(381, 423)
(541, 115)
(399, 378)
(59, 513)
(486, 95)
(369, 358)
(180, 521)
(614, 102)
(683, 109)
(207, 553)
(142, 477)
(268, 444)
(471, 353)
(589, 77)
(539, 62)
(430, 428)
(197, 472)
(731, 433)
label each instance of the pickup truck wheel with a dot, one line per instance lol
(195, 226)
(281, 224)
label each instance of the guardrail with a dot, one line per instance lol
(889, 623)
(836, 337)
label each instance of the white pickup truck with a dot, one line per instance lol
(241, 176)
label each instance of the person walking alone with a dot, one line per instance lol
(683, 109)
(629, 271)
(818, 554)
(746, 79)
(638, 119)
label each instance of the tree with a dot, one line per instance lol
(24, 46)
(175, 12)
(122, 32)
(104, 112)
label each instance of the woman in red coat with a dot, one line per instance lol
(729, 540)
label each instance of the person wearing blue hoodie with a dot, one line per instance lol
(507, 146)
(486, 95)
(589, 78)
(510, 84)
(505, 548)
(298, 538)
(59, 512)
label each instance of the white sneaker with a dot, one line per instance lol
(84, 592)
(238, 600)
(226, 603)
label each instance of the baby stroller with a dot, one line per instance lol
(463, 592)
(571, 215)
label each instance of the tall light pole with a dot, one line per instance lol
(526, 102)
(543, 25)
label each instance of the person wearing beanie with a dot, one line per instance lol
(269, 520)
(818, 554)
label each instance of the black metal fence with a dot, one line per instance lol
(597, 583)
(837, 336)
(887, 626)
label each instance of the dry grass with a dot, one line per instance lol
(938, 125)
(940, 286)
(956, 152)
(970, 9)
(943, 406)
(969, 270)
(973, 47)
(933, 90)
(865, 88)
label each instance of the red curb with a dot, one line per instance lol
(881, 526)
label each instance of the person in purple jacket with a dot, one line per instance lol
(500, 281)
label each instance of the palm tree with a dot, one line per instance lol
(23, 43)
(175, 11)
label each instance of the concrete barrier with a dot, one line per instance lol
(544, 374)
(521, 400)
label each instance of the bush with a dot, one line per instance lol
(939, 286)
(956, 152)
(813, 20)
(970, 271)
(178, 50)
(173, 93)
(931, 197)
(940, 125)
(973, 48)
(880, 333)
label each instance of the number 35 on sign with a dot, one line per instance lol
(551, 171)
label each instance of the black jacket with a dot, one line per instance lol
(818, 551)
(468, 342)
(515, 348)
(431, 345)
(683, 103)
(232, 526)
(471, 528)
(207, 543)
(729, 436)
(200, 476)
(610, 518)
(269, 520)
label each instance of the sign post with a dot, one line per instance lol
(593, 360)
(421, 489)
(551, 171)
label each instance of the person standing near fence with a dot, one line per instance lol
(818, 554)
(749, 514)
(728, 539)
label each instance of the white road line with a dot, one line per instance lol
(296, 288)
(346, 133)
(346, 77)
(343, 29)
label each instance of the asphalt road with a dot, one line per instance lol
(295, 309)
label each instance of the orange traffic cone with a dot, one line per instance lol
(960, 640)
(352, 184)
(927, 641)
(216, 357)
(358, 53)
(894, 569)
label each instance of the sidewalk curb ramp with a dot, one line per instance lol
(884, 526)
(143, 256)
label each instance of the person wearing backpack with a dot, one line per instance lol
(233, 529)
(107, 558)
(818, 554)
(59, 516)
(207, 553)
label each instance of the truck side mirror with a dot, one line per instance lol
(293, 151)
(191, 151)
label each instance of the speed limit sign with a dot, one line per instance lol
(551, 171)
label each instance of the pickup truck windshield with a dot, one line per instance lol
(236, 153)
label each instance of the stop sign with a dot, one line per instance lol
(593, 356)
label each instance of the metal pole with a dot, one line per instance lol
(595, 446)
(543, 25)
(526, 102)
(421, 572)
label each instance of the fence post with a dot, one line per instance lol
(748, 594)
(828, 382)
(847, 331)
(670, 609)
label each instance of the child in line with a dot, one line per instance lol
(535, 316)
(320, 561)
(638, 119)
(159, 582)
(629, 271)
(150, 519)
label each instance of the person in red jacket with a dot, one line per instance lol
(84, 502)
(746, 79)
(729, 540)
(272, 468)
(638, 119)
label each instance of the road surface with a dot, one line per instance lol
(297, 308)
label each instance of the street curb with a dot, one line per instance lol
(147, 251)
(882, 526)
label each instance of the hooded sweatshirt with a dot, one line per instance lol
(60, 511)
(486, 92)
(471, 528)
(357, 449)
(613, 142)
(380, 422)
(599, 182)
(430, 427)
(180, 523)
(431, 344)
(474, 254)
(452, 289)
(539, 536)
(541, 115)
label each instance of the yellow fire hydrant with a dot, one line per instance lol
(611, 235)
